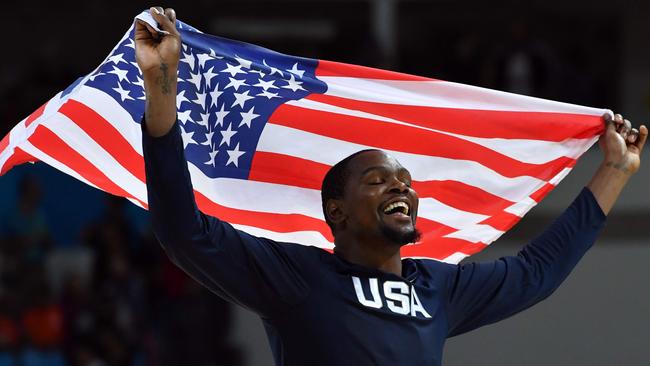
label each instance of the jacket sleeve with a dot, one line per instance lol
(483, 293)
(257, 273)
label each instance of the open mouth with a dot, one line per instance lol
(397, 208)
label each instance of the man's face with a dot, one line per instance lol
(379, 202)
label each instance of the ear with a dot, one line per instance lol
(335, 211)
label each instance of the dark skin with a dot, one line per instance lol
(376, 180)
(363, 233)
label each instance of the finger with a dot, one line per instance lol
(632, 136)
(165, 24)
(643, 136)
(618, 119)
(143, 29)
(171, 15)
(625, 129)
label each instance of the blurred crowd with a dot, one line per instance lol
(114, 299)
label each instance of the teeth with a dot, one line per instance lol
(394, 205)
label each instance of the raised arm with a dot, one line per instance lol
(258, 273)
(158, 56)
(483, 293)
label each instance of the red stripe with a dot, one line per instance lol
(440, 248)
(331, 68)
(542, 192)
(462, 196)
(51, 144)
(37, 113)
(502, 221)
(481, 123)
(106, 135)
(4, 143)
(289, 170)
(281, 223)
(385, 135)
(19, 156)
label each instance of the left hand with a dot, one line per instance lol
(622, 144)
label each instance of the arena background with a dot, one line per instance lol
(83, 282)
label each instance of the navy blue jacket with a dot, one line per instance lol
(319, 309)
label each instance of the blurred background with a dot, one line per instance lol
(83, 282)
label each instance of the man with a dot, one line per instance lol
(363, 305)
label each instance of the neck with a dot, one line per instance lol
(384, 257)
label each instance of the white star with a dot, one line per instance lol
(233, 156)
(213, 158)
(188, 137)
(131, 44)
(184, 116)
(261, 73)
(241, 98)
(208, 138)
(124, 94)
(137, 67)
(200, 99)
(296, 71)
(233, 70)
(248, 117)
(208, 75)
(214, 54)
(226, 135)
(220, 116)
(203, 57)
(273, 69)
(180, 98)
(116, 59)
(121, 74)
(139, 82)
(196, 80)
(293, 84)
(92, 77)
(268, 94)
(244, 62)
(266, 84)
(235, 83)
(214, 95)
(189, 59)
(203, 120)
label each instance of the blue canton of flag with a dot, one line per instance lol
(227, 90)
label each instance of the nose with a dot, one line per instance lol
(398, 186)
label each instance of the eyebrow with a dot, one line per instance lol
(379, 167)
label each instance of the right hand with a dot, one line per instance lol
(153, 51)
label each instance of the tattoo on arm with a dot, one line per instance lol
(618, 166)
(163, 80)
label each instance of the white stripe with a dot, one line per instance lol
(444, 94)
(78, 140)
(525, 150)
(455, 258)
(520, 208)
(432, 209)
(294, 142)
(477, 233)
(104, 105)
(301, 237)
(45, 158)
(258, 196)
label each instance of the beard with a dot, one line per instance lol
(401, 237)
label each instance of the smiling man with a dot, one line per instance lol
(364, 304)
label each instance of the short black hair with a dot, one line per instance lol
(333, 186)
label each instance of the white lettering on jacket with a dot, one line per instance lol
(399, 297)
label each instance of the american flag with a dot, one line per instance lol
(260, 130)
